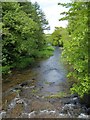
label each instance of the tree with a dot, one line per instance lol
(58, 36)
(22, 34)
(76, 47)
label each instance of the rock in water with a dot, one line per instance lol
(23, 84)
(2, 114)
(74, 100)
(82, 115)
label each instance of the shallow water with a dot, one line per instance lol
(32, 97)
(51, 74)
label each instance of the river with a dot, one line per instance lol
(39, 95)
(51, 74)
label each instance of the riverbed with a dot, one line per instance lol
(39, 92)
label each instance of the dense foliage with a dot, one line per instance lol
(76, 47)
(23, 38)
(57, 36)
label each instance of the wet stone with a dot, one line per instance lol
(72, 106)
(24, 115)
(61, 115)
(32, 114)
(24, 84)
(82, 115)
(74, 100)
(2, 114)
(20, 101)
(44, 114)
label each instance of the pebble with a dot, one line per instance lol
(20, 101)
(32, 87)
(44, 111)
(32, 114)
(52, 112)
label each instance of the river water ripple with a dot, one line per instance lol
(51, 74)
(31, 98)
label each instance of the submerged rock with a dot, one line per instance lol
(20, 101)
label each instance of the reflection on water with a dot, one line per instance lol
(51, 74)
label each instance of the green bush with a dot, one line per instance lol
(76, 46)
(5, 69)
(22, 34)
(23, 62)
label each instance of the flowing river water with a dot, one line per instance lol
(42, 94)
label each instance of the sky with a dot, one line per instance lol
(52, 11)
